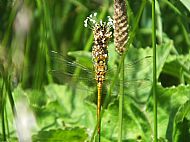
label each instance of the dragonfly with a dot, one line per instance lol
(73, 71)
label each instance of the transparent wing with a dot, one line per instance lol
(64, 70)
(133, 67)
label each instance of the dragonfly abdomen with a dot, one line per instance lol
(102, 34)
(100, 67)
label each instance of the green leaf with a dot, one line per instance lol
(169, 100)
(181, 64)
(67, 135)
(182, 124)
(68, 105)
(143, 71)
(12, 139)
(183, 112)
(186, 3)
(162, 139)
(135, 123)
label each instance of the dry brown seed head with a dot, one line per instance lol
(121, 27)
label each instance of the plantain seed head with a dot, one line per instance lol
(121, 27)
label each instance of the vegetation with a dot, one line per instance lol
(47, 86)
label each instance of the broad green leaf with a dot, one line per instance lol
(12, 139)
(162, 139)
(145, 70)
(182, 123)
(181, 64)
(169, 100)
(186, 3)
(70, 105)
(183, 112)
(135, 122)
(66, 135)
(163, 52)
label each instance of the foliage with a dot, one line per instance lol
(73, 135)
(57, 99)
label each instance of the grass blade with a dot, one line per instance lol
(154, 69)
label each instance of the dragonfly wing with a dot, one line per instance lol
(133, 67)
(66, 70)
(138, 89)
(139, 69)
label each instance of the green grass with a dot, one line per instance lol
(154, 71)
(63, 109)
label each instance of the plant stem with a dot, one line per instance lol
(154, 69)
(7, 123)
(121, 98)
(132, 35)
(3, 124)
(94, 133)
(10, 96)
(3, 114)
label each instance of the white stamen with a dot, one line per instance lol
(85, 23)
(100, 22)
(94, 22)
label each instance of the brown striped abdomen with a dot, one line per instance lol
(102, 35)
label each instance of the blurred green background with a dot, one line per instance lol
(36, 85)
